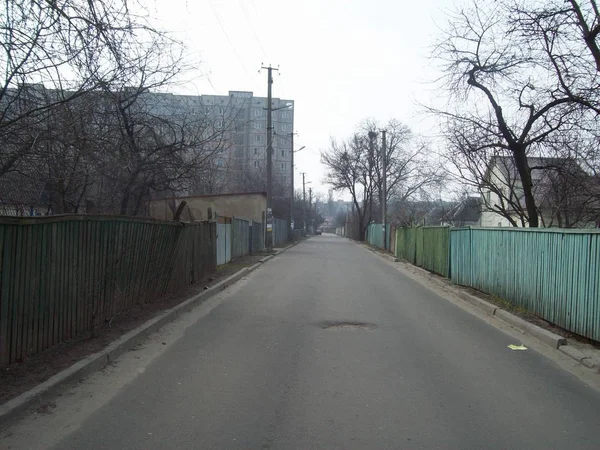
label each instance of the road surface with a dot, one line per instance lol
(327, 346)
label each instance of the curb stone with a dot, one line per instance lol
(572, 352)
(15, 408)
(547, 337)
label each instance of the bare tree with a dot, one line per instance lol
(356, 166)
(54, 52)
(511, 94)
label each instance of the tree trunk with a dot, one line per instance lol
(525, 174)
(125, 201)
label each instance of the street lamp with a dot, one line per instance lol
(292, 195)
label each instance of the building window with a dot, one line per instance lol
(219, 124)
(256, 163)
(257, 138)
(284, 127)
(255, 151)
(285, 179)
(283, 165)
(257, 113)
(221, 111)
(283, 153)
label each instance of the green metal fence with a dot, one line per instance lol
(552, 273)
(435, 245)
(61, 276)
(406, 244)
(427, 247)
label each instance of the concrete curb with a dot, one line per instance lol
(43, 392)
(547, 337)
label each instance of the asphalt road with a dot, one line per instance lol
(279, 365)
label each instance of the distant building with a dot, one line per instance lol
(241, 163)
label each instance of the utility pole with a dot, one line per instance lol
(384, 184)
(372, 137)
(303, 203)
(269, 237)
(292, 189)
(310, 206)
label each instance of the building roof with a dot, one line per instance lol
(469, 210)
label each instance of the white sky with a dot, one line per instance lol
(340, 60)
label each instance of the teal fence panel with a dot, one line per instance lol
(553, 273)
(375, 235)
(460, 256)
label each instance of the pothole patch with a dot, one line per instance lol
(346, 325)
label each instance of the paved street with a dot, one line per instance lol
(329, 347)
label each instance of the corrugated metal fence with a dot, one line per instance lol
(281, 231)
(427, 247)
(61, 276)
(257, 237)
(375, 235)
(241, 238)
(224, 229)
(552, 273)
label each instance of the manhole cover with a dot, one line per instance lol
(346, 325)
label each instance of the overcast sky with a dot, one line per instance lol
(340, 60)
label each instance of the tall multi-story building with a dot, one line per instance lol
(131, 145)
(241, 161)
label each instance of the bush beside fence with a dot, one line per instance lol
(62, 276)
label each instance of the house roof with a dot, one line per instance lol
(469, 210)
(17, 190)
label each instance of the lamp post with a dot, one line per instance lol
(292, 196)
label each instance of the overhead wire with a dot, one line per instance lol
(227, 36)
(253, 29)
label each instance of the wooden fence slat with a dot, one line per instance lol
(4, 298)
(56, 275)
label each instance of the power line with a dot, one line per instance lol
(227, 36)
(253, 29)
